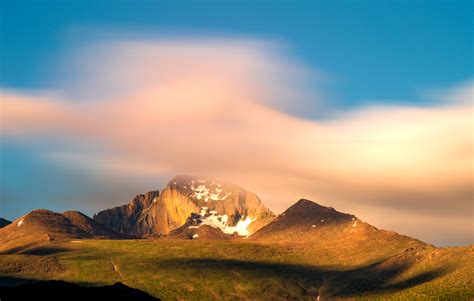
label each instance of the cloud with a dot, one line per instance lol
(226, 107)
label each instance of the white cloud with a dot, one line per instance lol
(217, 106)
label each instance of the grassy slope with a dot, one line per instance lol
(177, 269)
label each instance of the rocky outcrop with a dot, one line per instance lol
(88, 225)
(123, 219)
(211, 202)
(170, 211)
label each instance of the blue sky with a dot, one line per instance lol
(369, 53)
(373, 50)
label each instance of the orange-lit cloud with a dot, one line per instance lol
(220, 107)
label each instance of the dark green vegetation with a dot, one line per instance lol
(242, 269)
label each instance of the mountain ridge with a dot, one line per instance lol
(309, 251)
(183, 196)
(333, 233)
(40, 226)
(123, 218)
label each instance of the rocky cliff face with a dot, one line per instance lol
(169, 212)
(193, 201)
(124, 218)
(88, 225)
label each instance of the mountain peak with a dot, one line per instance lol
(151, 195)
(307, 221)
(308, 210)
(303, 219)
(196, 177)
(307, 203)
(226, 206)
(203, 188)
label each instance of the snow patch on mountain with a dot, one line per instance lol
(211, 218)
(207, 192)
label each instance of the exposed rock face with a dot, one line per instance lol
(169, 212)
(124, 218)
(88, 225)
(188, 199)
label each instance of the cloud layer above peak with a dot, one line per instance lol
(225, 107)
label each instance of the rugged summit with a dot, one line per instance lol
(191, 201)
(124, 218)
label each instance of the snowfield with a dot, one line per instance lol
(201, 191)
(211, 218)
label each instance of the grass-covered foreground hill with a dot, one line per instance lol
(172, 269)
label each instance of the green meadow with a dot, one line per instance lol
(244, 270)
